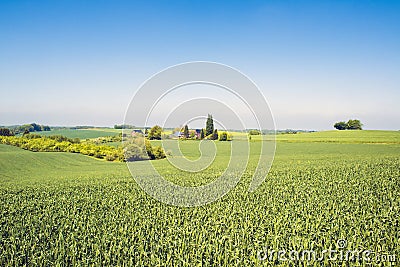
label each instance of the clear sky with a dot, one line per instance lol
(317, 62)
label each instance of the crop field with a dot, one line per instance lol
(346, 137)
(82, 133)
(70, 209)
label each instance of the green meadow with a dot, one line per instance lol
(82, 133)
(70, 209)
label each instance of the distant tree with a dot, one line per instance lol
(155, 133)
(202, 134)
(210, 125)
(26, 132)
(341, 125)
(354, 125)
(36, 127)
(215, 135)
(349, 125)
(254, 132)
(186, 131)
(124, 126)
(24, 128)
(5, 132)
(45, 128)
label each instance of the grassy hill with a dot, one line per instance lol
(22, 166)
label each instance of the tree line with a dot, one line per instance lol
(209, 132)
(28, 128)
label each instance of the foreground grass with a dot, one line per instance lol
(59, 208)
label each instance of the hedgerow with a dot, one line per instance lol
(58, 143)
(39, 143)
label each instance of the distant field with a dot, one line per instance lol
(347, 136)
(83, 133)
(70, 209)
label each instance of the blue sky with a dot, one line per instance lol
(317, 62)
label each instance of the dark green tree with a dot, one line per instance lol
(186, 131)
(36, 127)
(45, 128)
(209, 125)
(341, 125)
(5, 132)
(202, 134)
(215, 135)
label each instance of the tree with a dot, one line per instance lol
(186, 131)
(349, 125)
(36, 127)
(202, 134)
(124, 126)
(5, 132)
(215, 135)
(45, 128)
(341, 125)
(209, 125)
(354, 125)
(155, 133)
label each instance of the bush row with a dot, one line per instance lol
(39, 143)
(135, 149)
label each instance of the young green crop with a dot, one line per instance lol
(68, 209)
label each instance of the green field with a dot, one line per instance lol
(70, 209)
(335, 136)
(82, 133)
(348, 136)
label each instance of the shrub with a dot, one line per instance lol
(224, 136)
(158, 152)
